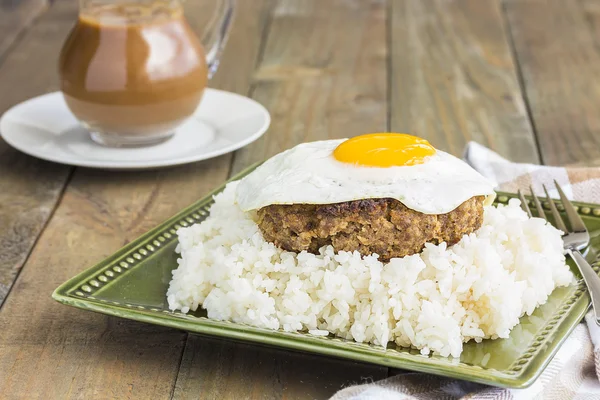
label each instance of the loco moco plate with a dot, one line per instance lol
(132, 284)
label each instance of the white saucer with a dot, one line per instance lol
(44, 127)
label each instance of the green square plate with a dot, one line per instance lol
(132, 284)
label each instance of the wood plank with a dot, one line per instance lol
(48, 350)
(557, 46)
(322, 75)
(453, 78)
(225, 370)
(30, 188)
(15, 17)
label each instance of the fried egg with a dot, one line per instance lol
(380, 165)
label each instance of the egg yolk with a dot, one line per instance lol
(384, 150)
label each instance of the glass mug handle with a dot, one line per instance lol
(216, 34)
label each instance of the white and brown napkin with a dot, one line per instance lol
(575, 370)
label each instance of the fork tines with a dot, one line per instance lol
(524, 204)
(558, 222)
(574, 219)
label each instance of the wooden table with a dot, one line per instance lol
(519, 76)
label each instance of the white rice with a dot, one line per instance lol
(434, 301)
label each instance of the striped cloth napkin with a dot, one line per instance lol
(575, 370)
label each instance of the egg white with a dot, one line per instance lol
(309, 174)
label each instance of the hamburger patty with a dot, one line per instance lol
(383, 226)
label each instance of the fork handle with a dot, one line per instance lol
(591, 279)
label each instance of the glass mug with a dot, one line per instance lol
(131, 71)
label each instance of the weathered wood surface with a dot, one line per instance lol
(323, 74)
(15, 17)
(453, 78)
(443, 69)
(220, 369)
(317, 85)
(29, 188)
(557, 45)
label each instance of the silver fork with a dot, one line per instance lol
(574, 240)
